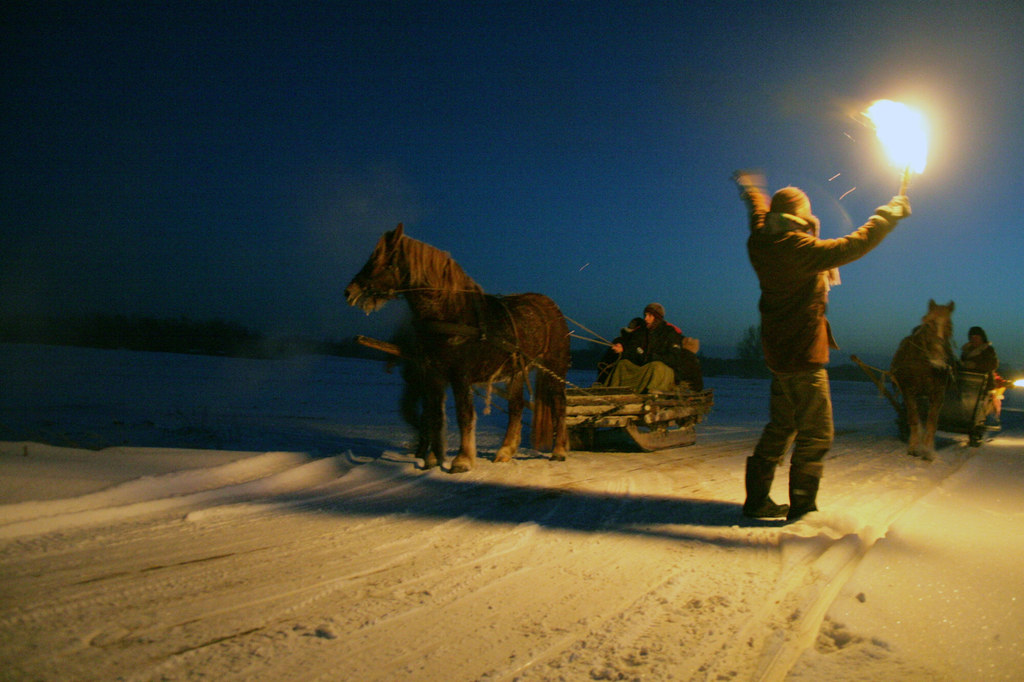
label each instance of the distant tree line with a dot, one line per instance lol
(173, 335)
(221, 337)
(170, 335)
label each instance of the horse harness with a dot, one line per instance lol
(458, 332)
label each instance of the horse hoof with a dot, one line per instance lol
(430, 463)
(557, 456)
(504, 455)
(459, 467)
(922, 453)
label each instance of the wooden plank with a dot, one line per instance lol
(603, 399)
(666, 414)
(377, 344)
(635, 409)
(599, 391)
(877, 377)
(608, 421)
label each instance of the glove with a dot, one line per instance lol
(897, 209)
(747, 179)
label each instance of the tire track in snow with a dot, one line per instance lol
(399, 555)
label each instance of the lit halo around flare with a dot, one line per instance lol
(903, 133)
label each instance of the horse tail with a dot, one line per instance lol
(542, 428)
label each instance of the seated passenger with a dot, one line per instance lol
(607, 361)
(655, 357)
(978, 355)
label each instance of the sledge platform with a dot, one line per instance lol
(654, 421)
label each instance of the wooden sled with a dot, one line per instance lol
(654, 421)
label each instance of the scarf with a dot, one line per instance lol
(780, 223)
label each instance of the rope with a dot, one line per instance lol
(587, 338)
(597, 337)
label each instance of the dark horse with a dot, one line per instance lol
(466, 337)
(921, 369)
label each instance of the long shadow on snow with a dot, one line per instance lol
(443, 497)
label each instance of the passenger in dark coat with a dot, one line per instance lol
(978, 355)
(653, 357)
(795, 269)
(611, 356)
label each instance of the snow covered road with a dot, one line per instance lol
(256, 564)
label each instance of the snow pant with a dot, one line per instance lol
(801, 416)
(653, 376)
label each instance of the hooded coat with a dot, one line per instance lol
(792, 266)
(980, 358)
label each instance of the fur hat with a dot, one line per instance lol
(791, 210)
(656, 309)
(791, 200)
(978, 331)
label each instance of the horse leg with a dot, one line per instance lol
(433, 421)
(913, 423)
(465, 414)
(561, 445)
(514, 431)
(934, 407)
(414, 411)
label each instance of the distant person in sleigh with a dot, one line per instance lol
(978, 355)
(654, 356)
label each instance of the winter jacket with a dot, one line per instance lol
(981, 358)
(792, 266)
(661, 341)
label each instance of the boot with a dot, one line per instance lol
(803, 490)
(760, 473)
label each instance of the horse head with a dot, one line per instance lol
(382, 278)
(940, 319)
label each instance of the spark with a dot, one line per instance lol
(846, 192)
(834, 177)
(583, 268)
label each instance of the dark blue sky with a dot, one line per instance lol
(239, 160)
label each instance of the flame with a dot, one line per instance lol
(1019, 383)
(902, 131)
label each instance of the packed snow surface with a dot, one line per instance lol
(170, 517)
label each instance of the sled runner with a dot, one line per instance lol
(966, 402)
(654, 421)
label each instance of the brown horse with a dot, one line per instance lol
(466, 337)
(921, 368)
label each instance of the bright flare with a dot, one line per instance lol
(1019, 383)
(902, 131)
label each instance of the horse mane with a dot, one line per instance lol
(933, 336)
(434, 269)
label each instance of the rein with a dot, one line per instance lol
(926, 343)
(596, 338)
